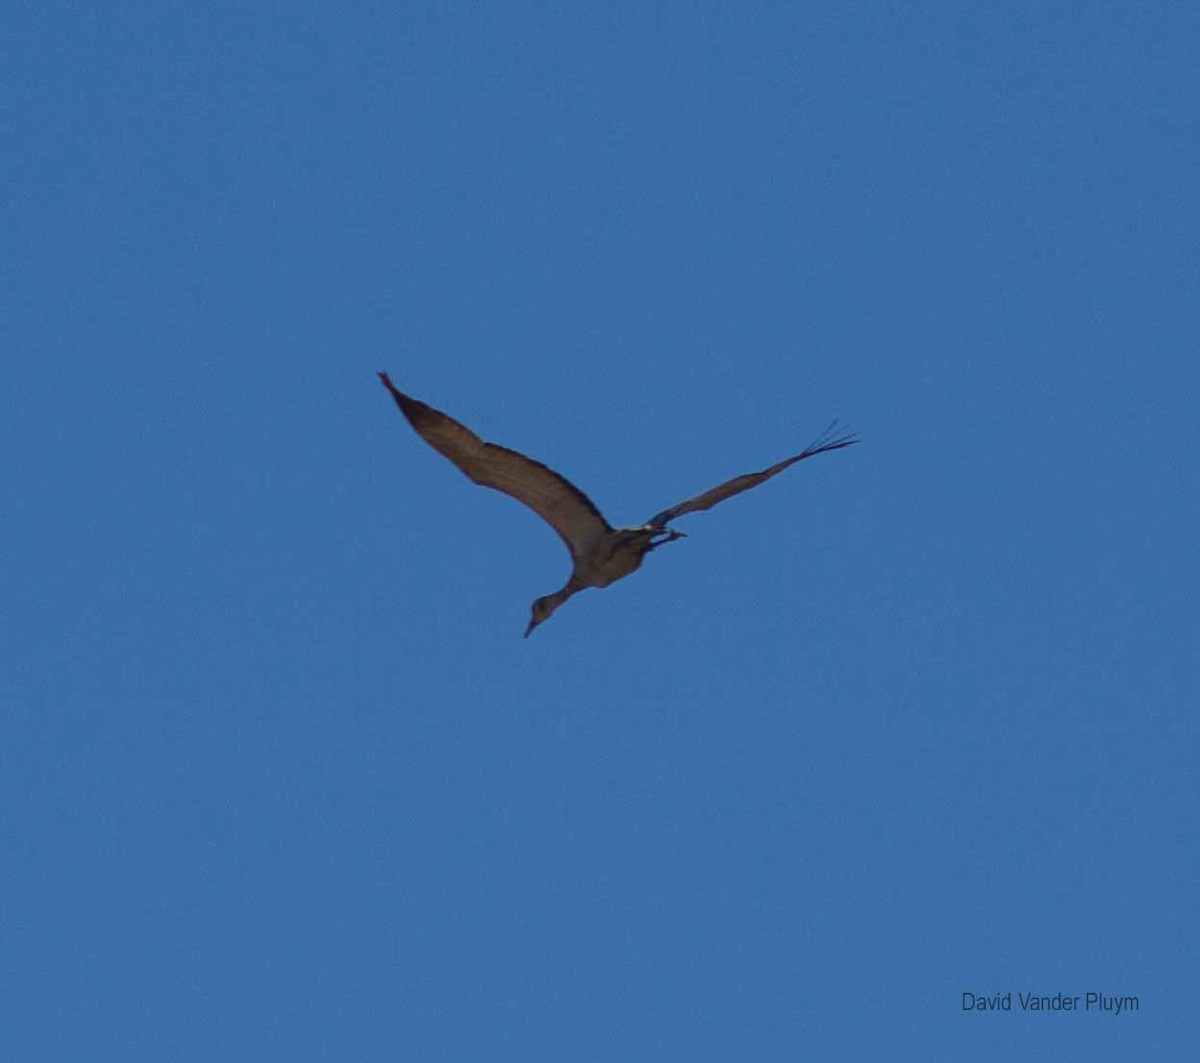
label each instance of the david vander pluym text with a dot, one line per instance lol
(1093, 1002)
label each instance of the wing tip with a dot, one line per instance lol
(412, 409)
(832, 438)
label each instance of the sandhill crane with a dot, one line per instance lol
(600, 554)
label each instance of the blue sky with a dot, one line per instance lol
(280, 779)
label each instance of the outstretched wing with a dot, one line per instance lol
(830, 439)
(552, 497)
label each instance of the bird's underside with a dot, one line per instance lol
(600, 553)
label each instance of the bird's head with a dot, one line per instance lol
(542, 609)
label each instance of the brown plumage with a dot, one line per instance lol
(600, 553)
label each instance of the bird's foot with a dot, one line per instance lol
(669, 535)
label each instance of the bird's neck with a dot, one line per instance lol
(572, 586)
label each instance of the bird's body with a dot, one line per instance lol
(601, 554)
(619, 554)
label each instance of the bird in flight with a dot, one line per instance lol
(600, 553)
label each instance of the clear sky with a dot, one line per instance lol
(279, 778)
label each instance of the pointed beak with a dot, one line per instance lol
(529, 630)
